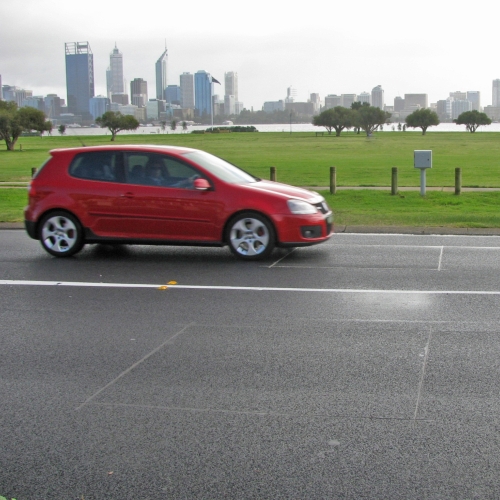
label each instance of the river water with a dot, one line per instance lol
(295, 127)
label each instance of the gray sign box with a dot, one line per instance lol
(422, 158)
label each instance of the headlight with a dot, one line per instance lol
(301, 207)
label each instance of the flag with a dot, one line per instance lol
(215, 81)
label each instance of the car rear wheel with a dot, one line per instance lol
(251, 236)
(61, 234)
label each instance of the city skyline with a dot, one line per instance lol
(315, 51)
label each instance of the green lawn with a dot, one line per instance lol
(303, 159)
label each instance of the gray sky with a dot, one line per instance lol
(318, 46)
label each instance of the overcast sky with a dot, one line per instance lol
(434, 47)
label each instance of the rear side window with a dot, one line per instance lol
(98, 166)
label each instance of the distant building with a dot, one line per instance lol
(474, 96)
(114, 74)
(378, 97)
(412, 100)
(120, 99)
(348, 99)
(291, 94)
(459, 106)
(442, 110)
(161, 75)
(492, 112)
(153, 109)
(229, 105)
(16, 94)
(187, 90)
(316, 101)
(272, 106)
(496, 94)
(53, 104)
(332, 101)
(364, 97)
(79, 78)
(98, 105)
(231, 84)
(139, 92)
(459, 96)
(203, 93)
(301, 108)
(173, 94)
(399, 104)
(36, 102)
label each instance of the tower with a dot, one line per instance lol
(187, 90)
(203, 93)
(79, 77)
(496, 93)
(161, 75)
(115, 73)
(139, 92)
(378, 97)
(231, 84)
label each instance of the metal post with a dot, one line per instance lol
(333, 180)
(458, 180)
(394, 183)
(422, 181)
(273, 173)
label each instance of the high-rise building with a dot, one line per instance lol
(348, 99)
(412, 100)
(459, 95)
(53, 105)
(364, 97)
(79, 77)
(187, 90)
(459, 106)
(332, 101)
(496, 94)
(114, 74)
(173, 94)
(139, 92)
(203, 93)
(229, 105)
(231, 84)
(378, 97)
(98, 105)
(474, 96)
(399, 104)
(161, 75)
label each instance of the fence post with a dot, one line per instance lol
(458, 180)
(394, 181)
(333, 180)
(273, 173)
(33, 172)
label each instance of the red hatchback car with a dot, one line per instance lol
(169, 196)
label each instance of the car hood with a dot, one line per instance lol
(285, 191)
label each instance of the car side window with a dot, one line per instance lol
(96, 166)
(151, 169)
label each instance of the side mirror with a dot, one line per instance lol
(201, 184)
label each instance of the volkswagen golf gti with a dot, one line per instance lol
(165, 195)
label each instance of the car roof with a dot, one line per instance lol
(125, 147)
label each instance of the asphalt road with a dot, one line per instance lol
(367, 367)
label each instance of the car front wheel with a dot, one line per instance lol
(61, 234)
(251, 236)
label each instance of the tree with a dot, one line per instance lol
(62, 129)
(472, 120)
(163, 125)
(422, 118)
(173, 124)
(184, 126)
(337, 118)
(116, 122)
(14, 121)
(369, 118)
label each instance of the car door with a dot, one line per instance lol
(166, 206)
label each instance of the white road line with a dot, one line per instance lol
(440, 259)
(246, 288)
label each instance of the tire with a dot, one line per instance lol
(61, 234)
(250, 236)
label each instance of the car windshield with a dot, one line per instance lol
(220, 168)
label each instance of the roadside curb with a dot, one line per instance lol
(458, 231)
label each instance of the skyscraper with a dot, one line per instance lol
(231, 84)
(203, 93)
(378, 97)
(114, 75)
(496, 93)
(79, 77)
(161, 75)
(187, 90)
(139, 92)
(474, 96)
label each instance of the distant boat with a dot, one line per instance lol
(228, 122)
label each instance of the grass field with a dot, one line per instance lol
(303, 159)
